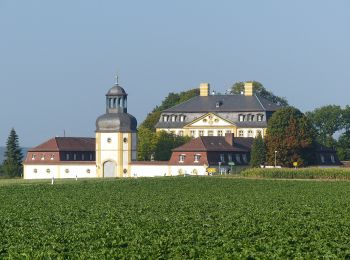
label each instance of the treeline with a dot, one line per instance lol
(332, 126)
(12, 166)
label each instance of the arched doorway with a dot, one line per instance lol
(109, 169)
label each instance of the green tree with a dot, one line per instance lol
(291, 134)
(13, 156)
(327, 120)
(259, 89)
(258, 152)
(345, 116)
(164, 143)
(171, 100)
(343, 146)
(146, 144)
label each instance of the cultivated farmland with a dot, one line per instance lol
(191, 217)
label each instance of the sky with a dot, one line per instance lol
(59, 58)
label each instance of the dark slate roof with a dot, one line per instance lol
(170, 124)
(76, 144)
(229, 103)
(216, 144)
(253, 124)
(116, 90)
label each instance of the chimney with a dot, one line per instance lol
(248, 89)
(204, 89)
(229, 137)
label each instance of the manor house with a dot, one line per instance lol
(210, 114)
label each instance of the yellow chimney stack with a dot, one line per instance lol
(248, 89)
(204, 89)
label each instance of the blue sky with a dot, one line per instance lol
(59, 58)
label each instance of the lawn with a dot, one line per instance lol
(191, 217)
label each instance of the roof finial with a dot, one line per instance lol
(117, 79)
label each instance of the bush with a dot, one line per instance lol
(304, 173)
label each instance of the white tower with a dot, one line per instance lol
(116, 136)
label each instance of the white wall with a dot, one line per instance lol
(59, 171)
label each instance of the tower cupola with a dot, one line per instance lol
(116, 118)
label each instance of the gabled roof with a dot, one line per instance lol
(67, 144)
(228, 103)
(216, 144)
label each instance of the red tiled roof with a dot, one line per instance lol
(67, 144)
(216, 143)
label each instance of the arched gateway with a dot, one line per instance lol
(109, 169)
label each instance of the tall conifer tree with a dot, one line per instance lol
(258, 153)
(13, 156)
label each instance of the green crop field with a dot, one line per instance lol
(191, 217)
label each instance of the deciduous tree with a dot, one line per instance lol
(259, 89)
(327, 120)
(292, 135)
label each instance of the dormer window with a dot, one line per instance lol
(250, 117)
(165, 118)
(52, 157)
(42, 157)
(173, 118)
(182, 118)
(260, 118)
(241, 118)
(33, 156)
(218, 104)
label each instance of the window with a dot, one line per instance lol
(182, 118)
(245, 158)
(88, 171)
(193, 133)
(210, 132)
(182, 158)
(260, 117)
(90, 156)
(332, 158)
(229, 157)
(258, 132)
(109, 140)
(222, 157)
(48, 170)
(165, 118)
(125, 140)
(43, 157)
(67, 157)
(75, 157)
(66, 170)
(35, 170)
(249, 117)
(238, 158)
(82, 157)
(181, 133)
(205, 120)
(220, 133)
(52, 157)
(33, 156)
(241, 133)
(250, 133)
(241, 118)
(173, 118)
(322, 158)
(197, 157)
(201, 132)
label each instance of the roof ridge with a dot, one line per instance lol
(257, 97)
